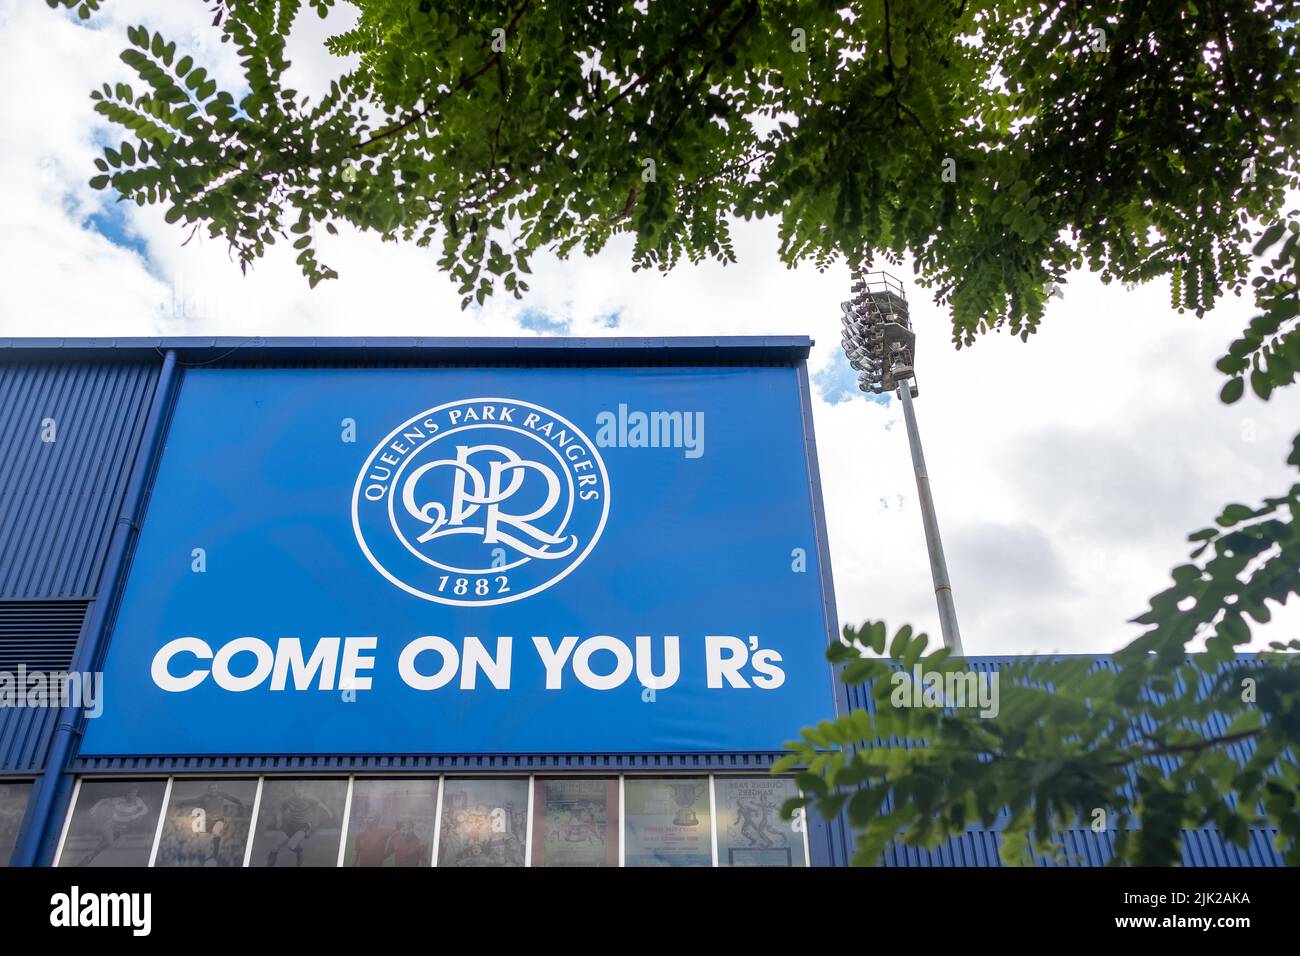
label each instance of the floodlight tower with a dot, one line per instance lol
(880, 344)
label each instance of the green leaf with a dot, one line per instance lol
(1269, 236)
(1234, 515)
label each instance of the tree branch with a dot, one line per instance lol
(1168, 750)
(463, 84)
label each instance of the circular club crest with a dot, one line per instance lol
(480, 501)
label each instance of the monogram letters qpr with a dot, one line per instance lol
(480, 501)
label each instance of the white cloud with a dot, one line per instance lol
(1067, 471)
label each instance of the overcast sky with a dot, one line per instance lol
(1067, 471)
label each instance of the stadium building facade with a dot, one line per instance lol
(381, 602)
(409, 602)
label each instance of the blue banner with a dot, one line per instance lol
(474, 560)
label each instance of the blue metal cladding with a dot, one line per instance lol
(978, 846)
(25, 734)
(1083, 847)
(58, 503)
(59, 499)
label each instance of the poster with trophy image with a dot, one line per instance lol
(750, 829)
(484, 822)
(667, 822)
(575, 823)
(206, 823)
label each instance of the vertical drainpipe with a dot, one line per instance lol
(53, 788)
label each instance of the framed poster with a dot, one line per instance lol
(484, 822)
(667, 822)
(391, 822)
(113, 823)
(750, 829)
(575, 823)
(13, 803)
(207, 823)
(299, 822)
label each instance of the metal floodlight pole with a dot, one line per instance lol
(879, 343)
(938, 565)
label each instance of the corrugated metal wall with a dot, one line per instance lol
(25, 737)
(59, 499)
(1083, 847)
(69, 432)
(978, 846)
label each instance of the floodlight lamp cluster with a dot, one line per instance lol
(877, 336)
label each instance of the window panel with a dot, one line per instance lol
(207, 822)
(299, 822)
(391, 822)
(13, 803)
(575, 822)
(750, 829)
(667, 822)
(484, 822)
(113, 823)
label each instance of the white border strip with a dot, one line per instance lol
(803, 820)
(343, 825)
(528, 827)
(622, 822)
(67, 821)
(713, 820)
(252, 822)
(162, 818)
(437, 822)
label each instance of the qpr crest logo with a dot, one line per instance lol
(481, 501)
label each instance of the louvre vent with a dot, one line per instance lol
(42, 635)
